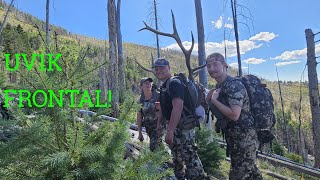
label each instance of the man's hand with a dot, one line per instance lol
(209, 95)
(169, 137)
(215, 94)
(140, 137)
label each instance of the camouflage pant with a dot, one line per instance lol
(184, 152)
(151, 129)
(155, 139)
(242, 146)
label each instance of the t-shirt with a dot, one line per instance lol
(233, 92)
(177, 90)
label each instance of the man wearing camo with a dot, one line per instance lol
(148, 115)
(181, 142)
(231, 103)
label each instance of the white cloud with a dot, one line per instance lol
(263, 36)
(291, 55)
(245, 45)
(235, 66)
(230, 26)
(254, 61)
(218, 24)
(186, 44)
(296, 54)
(286, 63)
(211, 47)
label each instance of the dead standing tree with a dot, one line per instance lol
(47, 25)
(175, 36)
(284, 123)
(156, 22)
(122, 78)
(104, 85)
(201, 45)
(5, 17)
(113, 56)
(235, 25)
(313, 94)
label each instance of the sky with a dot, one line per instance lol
(272, 33)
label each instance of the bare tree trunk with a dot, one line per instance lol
(152, 60)
(301, 142)
(202, 54)
(235, 24)
(103, 83)
(14, 74)
(225, 45)
(156, 81)
(112, 27)
(301, 145)
(201, 48)
(314, 94)
(103, 76)
(285, 129)
(47, 25)
(156, 21)
(122, 77)
(5, 17)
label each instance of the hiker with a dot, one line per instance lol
(148, 114)
(180, 141)
(229, 102)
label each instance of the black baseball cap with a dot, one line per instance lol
(161, 62)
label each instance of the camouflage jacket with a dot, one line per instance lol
(149, 111)
(233, 92)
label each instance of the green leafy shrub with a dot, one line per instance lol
(277, 148)
(210, 153)
(294, 157)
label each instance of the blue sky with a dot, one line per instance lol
(274, 36)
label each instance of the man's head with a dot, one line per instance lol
(216, 65)
(162, 69)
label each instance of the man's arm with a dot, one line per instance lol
(177, 107)
(139, 122)
(232, 112)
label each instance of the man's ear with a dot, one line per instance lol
(226, 65)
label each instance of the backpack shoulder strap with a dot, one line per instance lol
(167, 89)
(239, 79)
(167, 86)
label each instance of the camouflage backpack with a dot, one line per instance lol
(261, 106)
